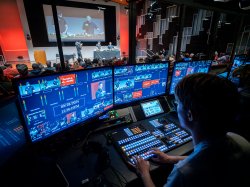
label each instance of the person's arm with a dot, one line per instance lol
(66, 28)
(142, 167)
(165, 158)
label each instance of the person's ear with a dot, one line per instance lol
(190, 116)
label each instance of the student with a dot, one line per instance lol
(207, 104)
(98, 46)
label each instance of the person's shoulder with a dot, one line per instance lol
(240, 141)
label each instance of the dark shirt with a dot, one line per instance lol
(224, 162)
(98, 46)
(110, 46)
(62, 24)
(89, 27)
(35, 72)
(99, 93)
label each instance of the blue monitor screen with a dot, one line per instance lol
(138, 82)
(151, 108)
(181, 69)
(56, 102)
(238, 61)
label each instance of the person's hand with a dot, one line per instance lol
(164, 158)
(142, 166)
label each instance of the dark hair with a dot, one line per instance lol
(22, 69)
(212, 100)
(35, 66)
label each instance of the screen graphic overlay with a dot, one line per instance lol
(139, 82)
(181, 69)
(75, 24)
(53, 103)
(238, 61)
(151, 108)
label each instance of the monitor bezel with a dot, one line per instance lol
(148, 101)
(172, 73)
(53, 138)
(137, 102)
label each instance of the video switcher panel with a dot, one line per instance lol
(139, 139)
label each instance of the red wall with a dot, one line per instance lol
(12, 39)
(124, 32)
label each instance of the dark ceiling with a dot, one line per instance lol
(231, 6)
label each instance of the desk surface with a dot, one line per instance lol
(78, 166)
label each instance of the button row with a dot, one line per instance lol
(138, 143)
(143, 147)
(133, 137)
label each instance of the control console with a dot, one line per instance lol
(139, 139)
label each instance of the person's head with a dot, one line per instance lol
(206, 103)
(8, 65)
(48, 63)
(22, 69)
(186, 55)
(88, 18)
(100, 85)
(59, 14)
(27, 84)
(110, 43)
(35, 66)
(99, 42)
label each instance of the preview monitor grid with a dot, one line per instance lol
(53, 103)
(138, 82)
(238, 61)
(181, 69)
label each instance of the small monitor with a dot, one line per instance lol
(223, 75)
(238, 61)
(50, 104)
(151, 108)
(181, 69)
(140, 81)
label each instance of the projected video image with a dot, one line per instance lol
(139, 82)
(53, 103)
(181, 69)
(76, 24)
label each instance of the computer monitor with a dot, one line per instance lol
(238, 61)
(151, 108)
(181, 69)
(140, 81)
(53, 103)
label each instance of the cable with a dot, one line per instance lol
(119, 174)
